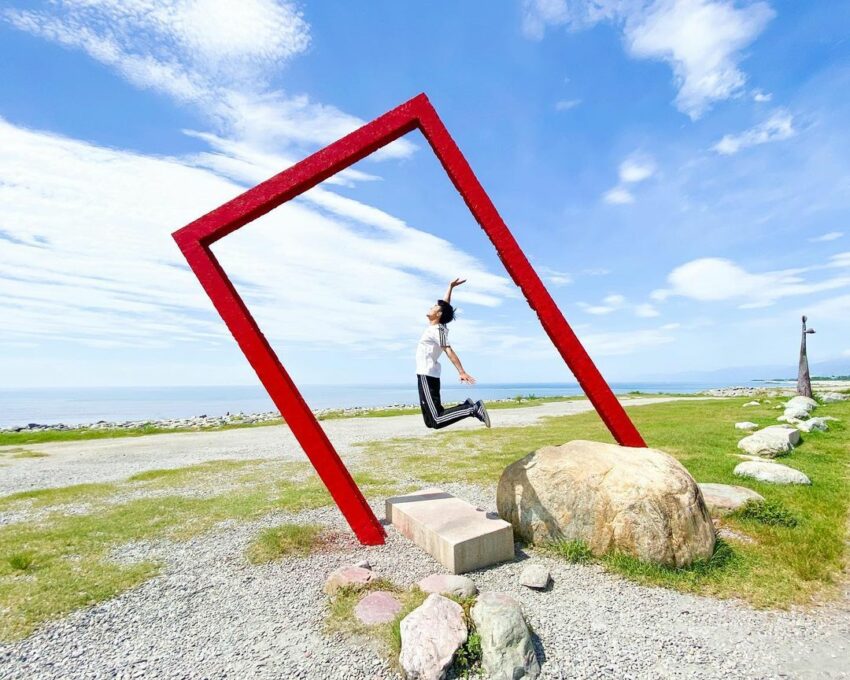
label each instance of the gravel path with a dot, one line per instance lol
(212, 615)
(108, 460)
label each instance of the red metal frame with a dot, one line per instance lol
(196, 238)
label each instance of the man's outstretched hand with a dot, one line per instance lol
(456, 282)
(466, 378)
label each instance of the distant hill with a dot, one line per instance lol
(823, 369)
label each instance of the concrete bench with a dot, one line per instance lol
(458, 535)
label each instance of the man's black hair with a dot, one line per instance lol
(447, 312)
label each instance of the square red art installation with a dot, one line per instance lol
(196, 238)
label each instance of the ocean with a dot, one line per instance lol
(74, 406)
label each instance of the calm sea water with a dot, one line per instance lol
(88, 405)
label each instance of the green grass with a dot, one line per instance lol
(783, 565)
(20, 452)
(284, 540)
(69, 554)
(772, 513)
(571, 551)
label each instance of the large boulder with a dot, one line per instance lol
(830, 397)
(507, 652)
(802, 402)
(725, 498)
(430, 636)
(638, 501)
(770, 442)
(773, 473)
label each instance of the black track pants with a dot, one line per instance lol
(432, 410)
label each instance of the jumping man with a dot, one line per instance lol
(435, 341)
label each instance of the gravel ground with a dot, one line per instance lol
(108, 460)
(213, 615)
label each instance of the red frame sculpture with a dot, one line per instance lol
(196, 238)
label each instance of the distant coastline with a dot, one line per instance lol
(88, 406)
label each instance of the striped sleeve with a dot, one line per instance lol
(444, 336)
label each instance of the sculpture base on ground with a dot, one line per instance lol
(455, 533)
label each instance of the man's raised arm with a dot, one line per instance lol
(451, 287)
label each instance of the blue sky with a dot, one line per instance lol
(678, 172)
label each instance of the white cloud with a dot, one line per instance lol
(610, 303)
(762, 97)
(636, 169)
(829, 236)
(702, 40)
(778, 127)
(567, 104)
(618, 196)
(714, 279)
(646, 311)
(555, 277)
(213, 54)
(87, 256)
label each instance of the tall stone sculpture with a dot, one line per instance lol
(804, 381)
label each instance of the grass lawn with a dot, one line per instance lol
(784, 565)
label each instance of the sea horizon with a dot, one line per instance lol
(84, 405)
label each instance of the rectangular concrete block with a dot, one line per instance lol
(455, 533)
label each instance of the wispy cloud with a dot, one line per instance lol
(829, 236)
(75, 267)
(715, 279)
(634, 169)
(778, 127)
(213, 54)
(567, 104)
(701, 40)
(762, 97)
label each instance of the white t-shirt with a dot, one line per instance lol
(430, 347)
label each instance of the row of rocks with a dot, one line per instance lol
(762, 446)
(432, 634)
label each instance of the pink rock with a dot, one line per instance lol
(377, 607)
(355, 577)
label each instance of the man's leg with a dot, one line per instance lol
(429, 389)
(423, 401)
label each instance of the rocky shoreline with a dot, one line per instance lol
(231, 419)
(206, 421)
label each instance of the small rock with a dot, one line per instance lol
(430, 636)
(813, 424)
(751, 403)
(802, 402)
(506, 648)
(377, 607)
(534, 576)
(448, 584)
(364, 564)
(771, 441)
(830, 397)
(726, 498)
(774, 473)
(350, 576)
(746, 425)
(796, 412)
